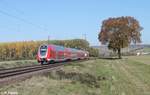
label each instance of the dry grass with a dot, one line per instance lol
(94, 77)
(11, 64)
(145, 59)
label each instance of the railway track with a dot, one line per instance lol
(12, 75)
(27, 69)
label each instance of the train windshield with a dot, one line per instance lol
(43, 50)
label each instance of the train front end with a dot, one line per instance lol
(43, 55)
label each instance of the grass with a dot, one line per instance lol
(126, 76)
(141, 59)
(11, 64)
(147, 49)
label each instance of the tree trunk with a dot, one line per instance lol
(119, 53)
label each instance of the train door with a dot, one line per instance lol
(61, 53)
(57, 53)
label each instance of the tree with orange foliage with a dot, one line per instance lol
(119, 33)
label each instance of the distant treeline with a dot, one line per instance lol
(28, 49)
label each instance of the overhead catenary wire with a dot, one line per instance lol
(4, 2)
(22, 19)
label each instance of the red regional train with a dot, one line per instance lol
(54, 53)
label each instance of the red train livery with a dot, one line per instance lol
(54, 53)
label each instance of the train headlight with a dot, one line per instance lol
(85, 54)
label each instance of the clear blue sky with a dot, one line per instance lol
(66, 19)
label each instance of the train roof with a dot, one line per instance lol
(72, 49)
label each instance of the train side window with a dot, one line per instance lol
(59, 48)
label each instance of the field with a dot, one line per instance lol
(18, 63)
(147, 49)
(127, 76)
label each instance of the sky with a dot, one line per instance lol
(25, 20)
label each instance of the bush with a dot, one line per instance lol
(93, 52)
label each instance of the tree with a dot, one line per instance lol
(119, 33)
